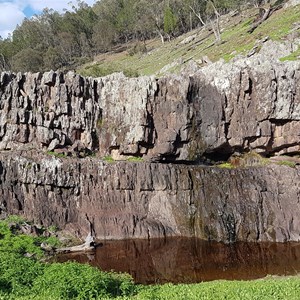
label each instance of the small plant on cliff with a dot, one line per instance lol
(287, 163)
(225, 165)
(61, 155)
(249, 159)
(108, 159)
(134, 159)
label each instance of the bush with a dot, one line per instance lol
(22, 276)
(76, 281)
(138, 48)
(18, 243)
(100, 71)
(17, 273)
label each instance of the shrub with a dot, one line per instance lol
(18, 243)
(75, 281)
(17, 273)
(22, 276)
(138, 48)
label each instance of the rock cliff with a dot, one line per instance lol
(146, 200)
(250, 104)
(220, 110)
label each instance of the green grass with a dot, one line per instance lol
(287, 288)
(108, 159)
(61, 155)
(98, 70)
(135, 159)
(225, 165)
(13, 241)
(292, 57)
(236, 40)
(24, 278)
(287, 163)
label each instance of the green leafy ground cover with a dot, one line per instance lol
(24, 276)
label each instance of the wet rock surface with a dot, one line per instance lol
(147, 200)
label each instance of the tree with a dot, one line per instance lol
(6, 52)
(214, 18)
(103, 36)
(170, 21)
(53, 59)
(27, 60)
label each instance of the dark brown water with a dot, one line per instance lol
(183, 260)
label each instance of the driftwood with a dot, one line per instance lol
(79, 248)
(88, 245)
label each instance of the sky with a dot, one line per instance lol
(12, 12)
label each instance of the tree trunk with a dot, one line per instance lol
(161, 36)
(198, 15)
(267, 13)
(215, 25)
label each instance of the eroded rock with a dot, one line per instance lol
(146, 200)
(250, 104)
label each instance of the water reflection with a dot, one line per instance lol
(184, 260)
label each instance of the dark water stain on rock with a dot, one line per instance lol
(188, 260)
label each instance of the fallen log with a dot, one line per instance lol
(88, 245)
(79, 248)
(265, 14)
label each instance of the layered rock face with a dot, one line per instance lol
(146, 200)
(212, 113)
(218, 110)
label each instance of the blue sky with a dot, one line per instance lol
(12, 12)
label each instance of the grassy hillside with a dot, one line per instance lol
(149, 58)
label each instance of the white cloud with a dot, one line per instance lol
(11, 12)
(10, 15)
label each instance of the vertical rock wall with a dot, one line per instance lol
(226, 108)
(147, 200)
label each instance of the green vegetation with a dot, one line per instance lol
(131, 35)
(13, 241)
(24, 276)
(61, 155)
(235, 40)
(267, 289)
(100, 71)
(108, 159)
(29, 278)
(225, 165)
(134, 159)
(293, 56)
(287, 163)
(248, 159)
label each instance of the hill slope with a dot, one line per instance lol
(198, 45)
